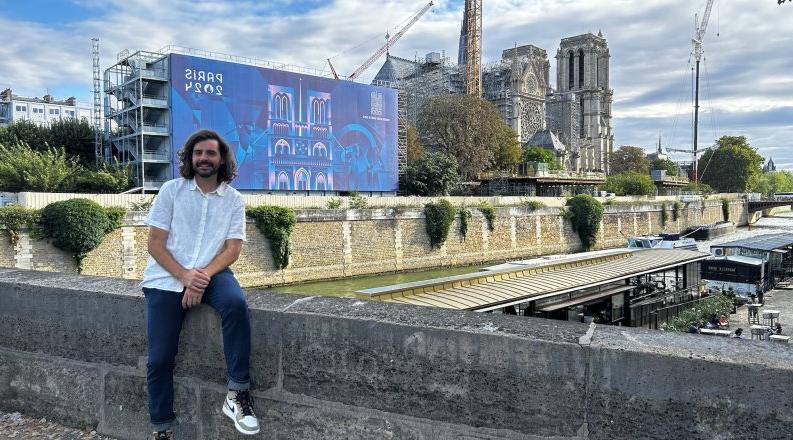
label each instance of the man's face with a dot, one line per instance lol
(206, 158)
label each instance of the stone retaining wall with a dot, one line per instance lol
(73, 350)
(337, 243)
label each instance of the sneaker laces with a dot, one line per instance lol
(245, 401)
(162, 435)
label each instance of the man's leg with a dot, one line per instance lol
(164, 316)
(225, 296)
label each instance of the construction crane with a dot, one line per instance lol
(473, 47)
(390, 40)
(699, 35)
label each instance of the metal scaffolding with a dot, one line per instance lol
(137, 116)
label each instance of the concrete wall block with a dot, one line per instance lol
(68, 322)
(47, 386)
(125, 411)
(473, 379)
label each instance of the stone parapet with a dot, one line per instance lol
(73, 349)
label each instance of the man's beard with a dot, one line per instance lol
(207, 172)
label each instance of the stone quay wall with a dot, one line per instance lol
(73, 349)
(330, 244)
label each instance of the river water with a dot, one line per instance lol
(347, 286)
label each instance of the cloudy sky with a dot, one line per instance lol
(747, 85)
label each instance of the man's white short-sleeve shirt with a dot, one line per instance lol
(198, 225)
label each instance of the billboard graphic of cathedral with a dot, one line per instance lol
(288, 131)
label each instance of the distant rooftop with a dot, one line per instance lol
(767, 242)
(8, 95)
(532, 279)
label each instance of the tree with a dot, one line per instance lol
(629, 184)
(730, 165)
(468, 129)
(628, 158)
(665, 164)
(433, 174)
(25, 132)
(415, 149)
(771, 182)
(76, 137)
(25, 169)
(584, 213)
(508, 153)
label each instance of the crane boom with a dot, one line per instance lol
(390, 42)
(699, 33)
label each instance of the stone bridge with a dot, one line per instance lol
(72, 349)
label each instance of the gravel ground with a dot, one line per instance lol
(18, 427)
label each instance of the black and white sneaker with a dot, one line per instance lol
(163, 435)
(239, 407)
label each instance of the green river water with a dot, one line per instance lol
(348, 286)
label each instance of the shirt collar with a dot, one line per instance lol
(220, 190)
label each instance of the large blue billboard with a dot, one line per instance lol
(288, 131)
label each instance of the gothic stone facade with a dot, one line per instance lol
(579, 110)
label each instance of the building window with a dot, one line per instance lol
(70, 113)
(21, 108)
(281, 107)
(580, 68)
(321, 183)
(38, 110)
(301, 180)
(570, 70)
(55, 111)
(281, 147)
(319, 150)
(283, 181)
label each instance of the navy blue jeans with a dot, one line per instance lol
(164, 316)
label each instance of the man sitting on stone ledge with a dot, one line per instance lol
(197, 229)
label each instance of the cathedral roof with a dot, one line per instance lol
(548, 140)
(770, 165)
(395, 68)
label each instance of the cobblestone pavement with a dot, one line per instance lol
(19, 427)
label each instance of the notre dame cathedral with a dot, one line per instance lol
(573, 119)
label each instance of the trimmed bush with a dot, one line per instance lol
(676, 211)
(276, 224)
(725, 209)
(465, 217)
(490, 214)
(78, 225)
(438, 218)
(585, 213)
(14, 217)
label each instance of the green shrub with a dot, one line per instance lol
(335, 203)
(533, 205)
(116, 215)
(14, 217)
(490, 214)
(700, 313)
(276, 224)
(356, 201)
(108, 179)
(676, 210)
(664, 214)
(438, 218)
(629, 183)
(465, 217)
(584, 213)
(78, 225)
(25, 169)
(725, 209)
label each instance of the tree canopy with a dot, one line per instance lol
(630, 184)
(432, 174)
(536, 153)
(470, 130)
(665, 164)
(628, 158)
(771, 182)
(730, 165)
(74, 136)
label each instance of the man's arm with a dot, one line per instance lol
(232, 248)
(191, 278)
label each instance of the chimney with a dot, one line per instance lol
(47, 98)
(71, 101)
(6, 94)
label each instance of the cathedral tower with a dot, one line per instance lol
(582, 91)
